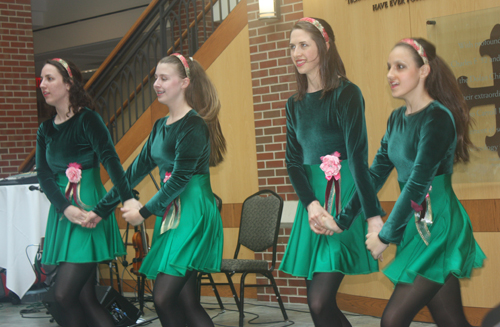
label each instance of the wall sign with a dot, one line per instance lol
(385, 4)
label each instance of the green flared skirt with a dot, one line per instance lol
(308, 253)
(68, 242)
(196, 243)
(452, 248)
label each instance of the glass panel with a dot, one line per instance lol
(470, 44)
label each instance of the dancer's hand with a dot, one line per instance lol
(132, 216)
(330, 224)
(375, 224)
(315, 214)
(375, 245)
(92, 220)
(75, 214)
(133, 204)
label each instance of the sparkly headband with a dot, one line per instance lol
(418, 47)
(318, 25)
(184, 62)
(65, 65)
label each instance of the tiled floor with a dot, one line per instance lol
(259, 313)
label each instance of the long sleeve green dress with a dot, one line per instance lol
(421, 146)
(182, 149)
(82, 139)
(319, 126)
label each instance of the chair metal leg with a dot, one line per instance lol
(110, 265)
(198, 284)
(141, 283)
(242, 297)
(278, 295)
(216, 292)
(214, 288)
(233, 290)
(118, 280)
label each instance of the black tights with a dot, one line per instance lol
(321, 297)
(492, 319)
(74, 291)
(177, 302)
(444, 303)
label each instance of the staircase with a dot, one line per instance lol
(122, 86)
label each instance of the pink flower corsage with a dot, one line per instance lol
(423, 217)
(172, 214)
(74, 174)
(331, 166)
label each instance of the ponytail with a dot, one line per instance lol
(201, 95)
(442, 86)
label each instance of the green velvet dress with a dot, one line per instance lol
(421, 146)
(182, 149)
(317, 127)
(83, 139)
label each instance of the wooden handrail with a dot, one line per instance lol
(130, 97)
(169, 52)
(27, 160)
(118, 48)
(120, 44)
(198, 18)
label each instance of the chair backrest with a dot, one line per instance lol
(260, 221)
(218, 200)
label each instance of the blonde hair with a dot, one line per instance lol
(201, 95)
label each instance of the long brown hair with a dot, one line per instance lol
(201, 95)
(442, 86)
(331, 67)
(78, 96)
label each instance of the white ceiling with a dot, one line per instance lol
(54, 12)
(76, 30)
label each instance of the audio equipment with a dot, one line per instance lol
(123, 312)
(25, 178)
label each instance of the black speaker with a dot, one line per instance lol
(54, 309)
(123, 312)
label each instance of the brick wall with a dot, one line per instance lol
(273, 82)
(18, 110)
(187, 14)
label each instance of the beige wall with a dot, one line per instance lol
(364, 39)
(236, 177)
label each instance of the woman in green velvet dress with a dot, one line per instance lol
(188, 235)
(433, 232)
(324, 117)
(70, 148)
